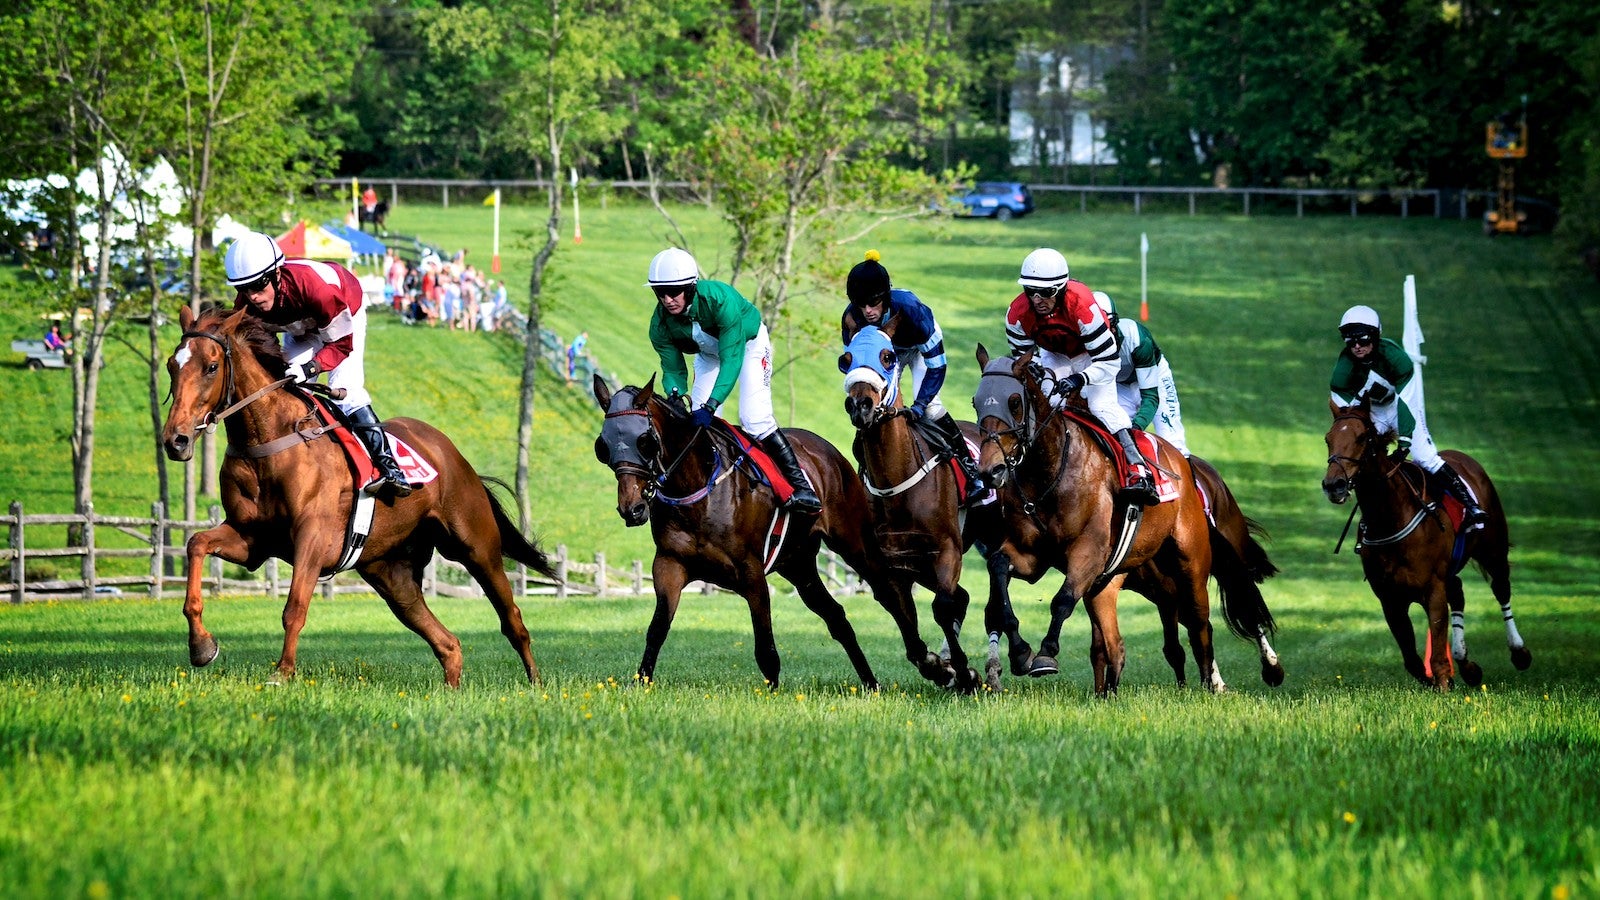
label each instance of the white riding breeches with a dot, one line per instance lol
(1100, 398)
(912, 361)
(350, 375)
(1386, 420)
(755, 380)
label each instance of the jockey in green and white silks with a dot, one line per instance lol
(1378, 370)
(1145, 387)
(723, 331)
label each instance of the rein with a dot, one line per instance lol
(656, 475)
(212, 417)
(1025, 435)
(1352, 466)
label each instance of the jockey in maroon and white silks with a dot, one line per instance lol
(319, 307)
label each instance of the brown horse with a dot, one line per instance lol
(294, 503)
(1058, 492)
(1411, 552)
(713, 522)
(919, 528)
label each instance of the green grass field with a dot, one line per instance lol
(125, 773)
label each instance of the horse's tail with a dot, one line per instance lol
(1238, 585)
(512, 542)
(1255, 556)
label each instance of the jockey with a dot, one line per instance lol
(723, 331)
(919, 344)
(318, 306)
(1378, 370)
(1145, 388)
(1059, 317)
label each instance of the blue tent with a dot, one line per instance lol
(361, 243)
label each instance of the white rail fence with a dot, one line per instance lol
(160, 541)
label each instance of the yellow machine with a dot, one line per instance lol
(1506, 141)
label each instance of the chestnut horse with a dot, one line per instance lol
(294, 504)
(1410, 551)
(919, 528)
(713, 522)
(1058, 491)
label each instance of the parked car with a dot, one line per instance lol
(1002, 200)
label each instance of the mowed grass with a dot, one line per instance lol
(127, 773)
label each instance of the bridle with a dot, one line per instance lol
(226, 405)
(654, 472)
(1350, 468)
(1022, 434)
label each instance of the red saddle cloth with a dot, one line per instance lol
(763, 464)
(416, 469)
(1453, 509)
(1167, 488)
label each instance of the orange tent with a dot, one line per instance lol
(314, 242)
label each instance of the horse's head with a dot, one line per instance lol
(871, 377)
(1006, 412)
(630, 444)
(1351, 440)
(222, 355)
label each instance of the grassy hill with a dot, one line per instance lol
(1245, 308)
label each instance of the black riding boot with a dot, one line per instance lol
(1141, 486)
(957, 446)
(1473, 518)
(804, 499)
(364, 423)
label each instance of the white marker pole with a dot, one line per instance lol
(1144, 277)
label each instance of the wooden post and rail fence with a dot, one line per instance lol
(160, 540)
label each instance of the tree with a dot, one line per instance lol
(245, 140)
(794, 145)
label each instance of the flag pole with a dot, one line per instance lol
(1144, 277)
(494, 260)
(577, 219)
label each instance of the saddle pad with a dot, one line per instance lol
(1167, 489)
(989, 496)
(761, 464)
(417, 470)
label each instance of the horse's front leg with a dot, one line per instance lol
(302, 585)
(1107, 654)
(999, 618)
(1396, 612)
(669, 577)
(1437, 607)
(227, 542)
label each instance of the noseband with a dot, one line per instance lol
(228, 408)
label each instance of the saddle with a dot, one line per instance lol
(1167, 487)
(756, 462)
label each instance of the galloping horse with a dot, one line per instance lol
(1059, 505)
(288, 494)
(712, 522)
(919, 529)
(1411, 552)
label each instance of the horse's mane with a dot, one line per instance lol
(257, 335)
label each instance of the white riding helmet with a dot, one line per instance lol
(252, 256)
(673, 266)
(1360, 318)
(1044, 268)
(1103, 300)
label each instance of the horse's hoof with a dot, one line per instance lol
(1272, 674)
(1521, 658)
(1041, 666)
(1020, 659)
(203, 651)
(991, 676)
(1471, 672)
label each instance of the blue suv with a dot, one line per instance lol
(1002, 200)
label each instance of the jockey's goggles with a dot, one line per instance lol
(877, 299)
(668, 291)
(1360, 339)
(1043, 292)
(254, 287)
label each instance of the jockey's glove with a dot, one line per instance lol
(1379, 393)
(705, 416)
(918, 411)
(304, 372)
(1071, 383)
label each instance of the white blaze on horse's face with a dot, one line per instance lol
(182, 356)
